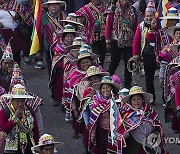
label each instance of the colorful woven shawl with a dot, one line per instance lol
(123, 25)
(93, 13)
(52, 26)
(170, 70)
(130, 123)
(58, 56)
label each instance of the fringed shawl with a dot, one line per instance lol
(93, 13)
(130, 123)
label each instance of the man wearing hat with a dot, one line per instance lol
(51, 17)
(18, 122)
(93, 18)
(46, 145)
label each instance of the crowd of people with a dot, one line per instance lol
(109, 115)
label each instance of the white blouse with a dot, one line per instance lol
(6, 19)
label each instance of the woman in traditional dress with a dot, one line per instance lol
(18, 122)
(99, 124)
(57, 70)
(84, 60)
(140, 131)
(93, 75)
(6, 68)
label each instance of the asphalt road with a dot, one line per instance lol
(53, 118)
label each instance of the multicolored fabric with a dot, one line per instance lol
(168, 55)
(175, 83)
(57, 60)
(123, 25)
(26, 12)
(17, 136)
(170, 70)
(95, 18)
(33, 103)
(130, 123)
(52, 26)
(162, 39)
(72, 80)
(87, 100)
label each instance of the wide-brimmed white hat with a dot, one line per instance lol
(170, 30)
(72, 19)
(61, 3)
(18, 91)
(78, 41)
(93, 71)
(175, 47)
(172, 14)
(45, 139)
(106, 80)
(137, 90)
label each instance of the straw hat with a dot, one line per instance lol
(61, 3)
(45, 139)
(68, 29)
(84, 53)
(170, 30)
(106, 80)
(171, 14)
(175, 47)
(78, 41)
(18, 91)
(137, 90)
(92, 71)
(72, 19)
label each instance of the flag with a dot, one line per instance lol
(115, 119)
(163, 7)
(36, 35)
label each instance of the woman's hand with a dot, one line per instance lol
(126, 134)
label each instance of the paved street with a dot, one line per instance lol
(53, 118)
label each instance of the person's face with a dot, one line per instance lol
(149, 16)
(171, 22)
(94, 79)
(124, 3)
(177, 35)
(48, 149)
(54, 8)
(18, 103)
(96, 2)
(106, 90)
(136, 101)
(85, 64)
(6, 64)
(69, 39)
